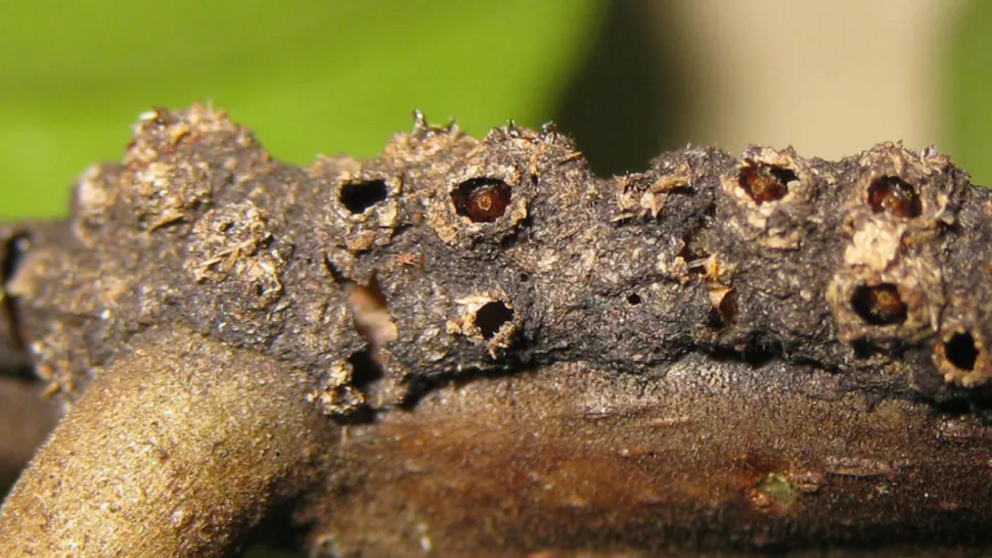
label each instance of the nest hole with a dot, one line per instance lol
(694, 250)
(765, 183)
(366, 370)
(894, 195)
(13, 255)
(370, 310)
(961, 351)
(724, 313)
(633, 299)
(482, 200)
(366, 375)
(879, 305)
(357, 197)
(862, 349)
(491, 317)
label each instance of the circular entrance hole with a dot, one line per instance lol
(894, 195)
(879, 305)
(766, 183)
(961, 351)
(491, 317)
(482, 200)
(357, 197)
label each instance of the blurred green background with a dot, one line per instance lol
(308, 77)
(627, 77)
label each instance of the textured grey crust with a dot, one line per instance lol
(199, 225)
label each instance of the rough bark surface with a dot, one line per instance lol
(716, 353)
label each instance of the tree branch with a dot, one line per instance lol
(716, 352)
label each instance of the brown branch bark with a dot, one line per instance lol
(717, 458)
(25, 421)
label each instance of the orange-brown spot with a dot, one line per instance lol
(482, 200)
(879, 305)
(766, 183)
(893, 195)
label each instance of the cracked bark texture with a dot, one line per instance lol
(717, 353)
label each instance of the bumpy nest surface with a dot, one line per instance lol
(448, 256)
(714, 353)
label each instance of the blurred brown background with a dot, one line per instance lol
(829, 78)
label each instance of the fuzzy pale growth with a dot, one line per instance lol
(175, 450)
